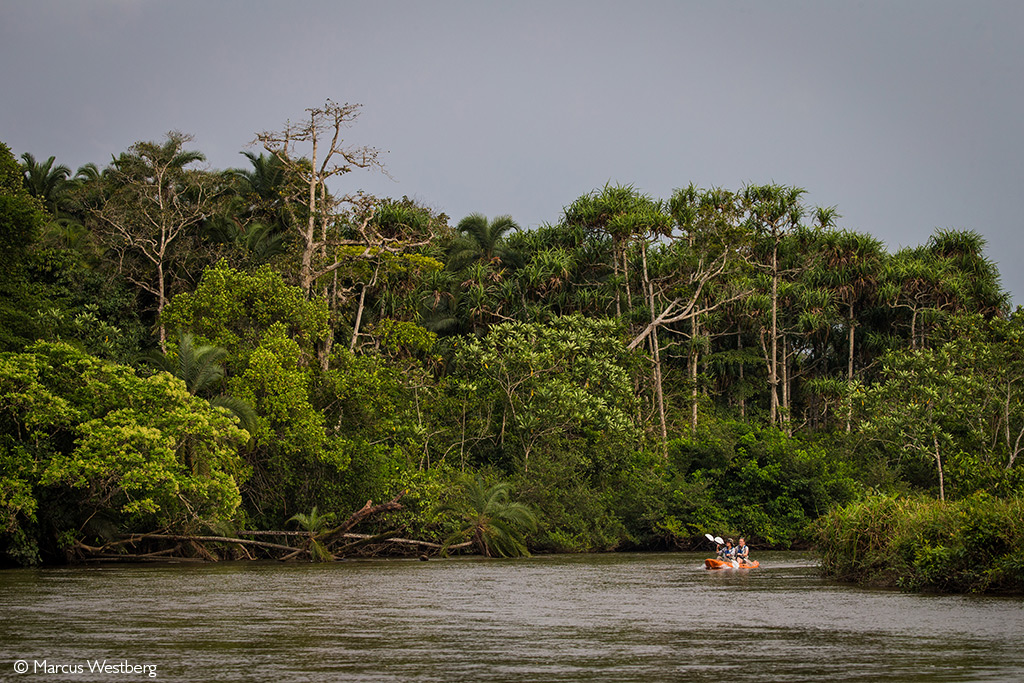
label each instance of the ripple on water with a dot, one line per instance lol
(657, 617)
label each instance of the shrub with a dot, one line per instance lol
(926, 545)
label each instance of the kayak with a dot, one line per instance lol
(722, 564)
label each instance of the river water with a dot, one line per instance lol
(617, 617)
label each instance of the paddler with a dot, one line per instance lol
(743, 551)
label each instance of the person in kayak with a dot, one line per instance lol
(727, 552)
(743, 552)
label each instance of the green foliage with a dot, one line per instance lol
(200, 366)
(234, 310)
(485, 349)
(96, 439)
(483, 240)
(296, 463)
(21, 219)
(314, 523)
(402, 338)
(366, 406)
(566, 381)
(738, 480)
(81, 305)
(577, 511)
(971, 545)
(489, 519)
(957, 406)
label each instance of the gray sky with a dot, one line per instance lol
(907, 116)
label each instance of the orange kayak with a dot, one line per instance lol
(722, 564)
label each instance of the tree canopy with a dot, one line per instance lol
(635, 374)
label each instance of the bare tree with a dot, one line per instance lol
(156, 202)
(332, 229)
(329, 156)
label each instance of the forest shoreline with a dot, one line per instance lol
(194, 351)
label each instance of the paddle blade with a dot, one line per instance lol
(709, 537)
(719, 541)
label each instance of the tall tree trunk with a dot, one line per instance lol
(785, 413)
(743, 400)
(849, 371)
(773, 370)
(359, 318)
(655, 352)
(625, 275)
(694, 356)
(615, 267)
(309, 236)
(161, 296)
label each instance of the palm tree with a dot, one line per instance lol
(314, 523)
(482, 240)
(201, 368)
(151, 219)
(494, 524)
(264, 188)
(44, 180)
(850, 268)
(773, 211)
(625, 215)
(266, 178)
(977, 287)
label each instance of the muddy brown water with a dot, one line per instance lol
(615, 617)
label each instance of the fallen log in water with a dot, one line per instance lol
(329, 544)
(205, 539)
(412, 541)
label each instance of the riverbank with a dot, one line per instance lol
(917, 544)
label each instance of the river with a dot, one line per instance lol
(615, 617)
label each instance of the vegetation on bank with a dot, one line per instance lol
(915, 543)
(187, 352)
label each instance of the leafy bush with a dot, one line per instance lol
(736, 479)
(971, 545)
(102, 449)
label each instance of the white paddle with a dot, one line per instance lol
(719, 541)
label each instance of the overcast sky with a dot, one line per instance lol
(906, 116)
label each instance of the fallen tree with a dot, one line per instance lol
(331, 544)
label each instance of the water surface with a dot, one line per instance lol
(621, 617)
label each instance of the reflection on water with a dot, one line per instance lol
(623, 617)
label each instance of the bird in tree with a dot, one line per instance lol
(489, 520)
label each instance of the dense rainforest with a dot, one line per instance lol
(188, 351)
